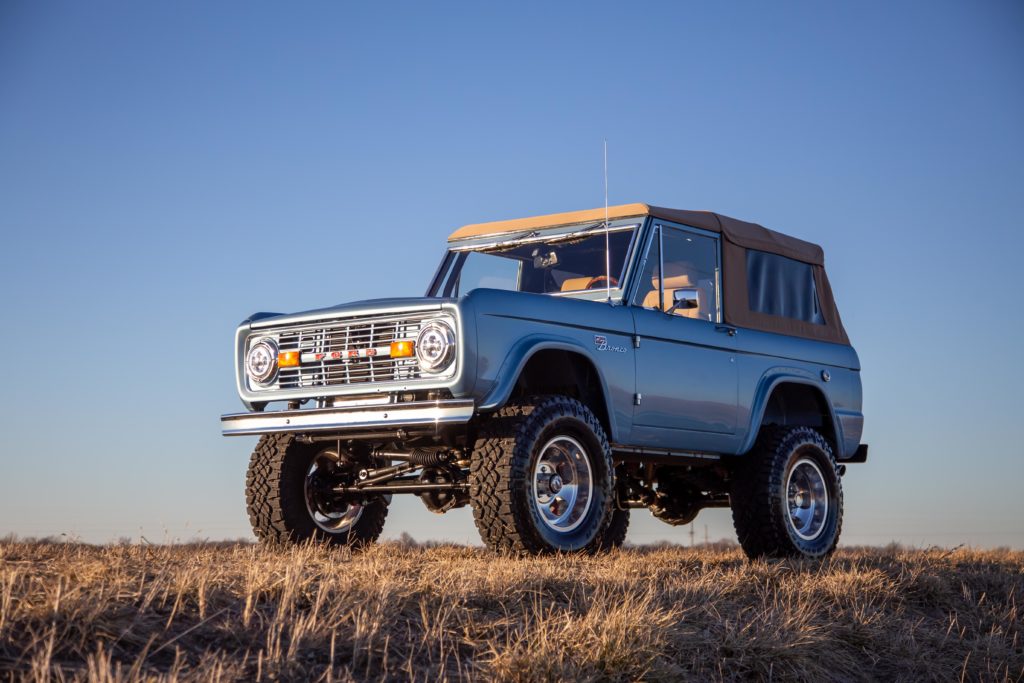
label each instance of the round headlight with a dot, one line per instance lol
(261, 361)
(435, 346)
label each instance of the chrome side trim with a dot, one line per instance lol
(392, 416)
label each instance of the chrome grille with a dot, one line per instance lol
(344, 352)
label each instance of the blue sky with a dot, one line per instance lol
(167, 169)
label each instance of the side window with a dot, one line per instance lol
(782, 286)
(691, 284)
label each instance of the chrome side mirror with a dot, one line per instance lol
(685, 298)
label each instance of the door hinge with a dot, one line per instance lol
(636, 341)
(637, 398)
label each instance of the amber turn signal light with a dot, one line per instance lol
(402, 349)
(288, 359)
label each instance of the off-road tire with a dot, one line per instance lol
(615, 535)
(275, 498)
(759, 501)
(506, 449)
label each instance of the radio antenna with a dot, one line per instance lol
(607, 249)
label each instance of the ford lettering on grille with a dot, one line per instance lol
(345, 352)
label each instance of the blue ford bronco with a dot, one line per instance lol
(560, 371)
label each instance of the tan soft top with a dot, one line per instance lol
(749, 235)
(739, 236)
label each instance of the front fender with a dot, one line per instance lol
(521, 353)
(773, 378)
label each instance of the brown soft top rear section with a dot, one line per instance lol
(739, 236)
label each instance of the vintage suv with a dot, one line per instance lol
(560, 371)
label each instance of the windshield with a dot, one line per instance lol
(554, 264)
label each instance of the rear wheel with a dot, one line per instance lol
(787, 499)
(541, 480)
(289, 496)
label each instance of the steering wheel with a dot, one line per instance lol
(601, 280)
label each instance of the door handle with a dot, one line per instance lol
(731, 331)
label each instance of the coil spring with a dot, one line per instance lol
(428, 458)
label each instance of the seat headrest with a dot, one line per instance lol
(674, 282)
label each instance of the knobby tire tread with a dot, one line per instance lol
(499, 475)
(275, 504)
(756, 496)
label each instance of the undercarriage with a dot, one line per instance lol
(540, 475)
(675, 489)
(438, 475)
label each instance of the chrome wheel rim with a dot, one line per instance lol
(330, 518)
(807, 496)
(563, 484)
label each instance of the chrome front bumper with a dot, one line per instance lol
(393, 416)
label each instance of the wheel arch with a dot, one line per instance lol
(793, 400)
(552, 366)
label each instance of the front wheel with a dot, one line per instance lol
(787, 499)
(289, 497)
(541, 480)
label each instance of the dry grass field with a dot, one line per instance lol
(241, 612)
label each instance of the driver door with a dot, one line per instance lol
(686, 370)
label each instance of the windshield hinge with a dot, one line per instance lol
(636, 341)
(637, 398)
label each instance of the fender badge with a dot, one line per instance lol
(601, 344)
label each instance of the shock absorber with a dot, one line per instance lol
(413, 461)
(418, 458)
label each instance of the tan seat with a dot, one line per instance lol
(704, 297)
(575, 284)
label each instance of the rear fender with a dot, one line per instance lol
(769, 382)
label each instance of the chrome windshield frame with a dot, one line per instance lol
(541, 235)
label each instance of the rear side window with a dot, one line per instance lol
(782, 286)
